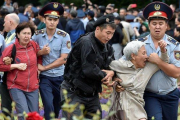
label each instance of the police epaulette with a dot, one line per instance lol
(142, 39)
(62, 33)
(39, 31)
(172, 40)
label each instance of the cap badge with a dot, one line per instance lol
(55, 5)
(157, 14)
(53, 13)
(107, 19)
(157, 7)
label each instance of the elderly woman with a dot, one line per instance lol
(22, 76)
(135, 73)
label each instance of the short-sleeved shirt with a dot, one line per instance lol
(2, 44)
(161, 83)
(59, 44)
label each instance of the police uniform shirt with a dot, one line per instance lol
(2, 47)
(161, 83)
(59, 44)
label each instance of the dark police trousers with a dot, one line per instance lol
(50, 94)
(91, 102)
(162, 107)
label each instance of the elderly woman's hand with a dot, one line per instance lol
(7, 60)
(21, 66)
(118, 87)
(154, 58)
(162, 44)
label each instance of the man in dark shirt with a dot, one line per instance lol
(87, 68)
(90, 25)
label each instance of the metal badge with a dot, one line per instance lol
(157, 14)
(107, 19)
(55, 5)
(157, 7)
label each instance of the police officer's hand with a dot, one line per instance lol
(45, 50)
(7, 60)
(162, 44)
(108, 78)
(41, 68)
(154, 58)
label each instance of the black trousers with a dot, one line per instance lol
(5, 99)
(91, 104)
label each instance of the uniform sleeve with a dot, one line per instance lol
(66, 45)
(5, 53)
(34, 37)
(2, 46)
(175, 56)
(89, 66)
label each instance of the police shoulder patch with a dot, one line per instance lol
(39, 31)
(61, 33)
(177, 55)
(68, 44)
(172, 40)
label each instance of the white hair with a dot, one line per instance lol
(132, 47)
(14, 17)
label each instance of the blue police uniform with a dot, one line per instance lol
(59, 43)
(161, 95)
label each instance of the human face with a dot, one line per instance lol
(105, 34)
(122, 12)
(176, 21)
(24, 36)
(141, 58)
(144, 28)
(116, 21)
(7, 24)
(157, 29)
(51, 23)
(176, 33)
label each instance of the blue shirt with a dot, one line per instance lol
(59, 44)
(2, 44)
(161, 83)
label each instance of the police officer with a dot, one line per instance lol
(58, 43)
(161, 94)
(87, 68)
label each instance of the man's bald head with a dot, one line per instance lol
(14, 17)
(11, 21)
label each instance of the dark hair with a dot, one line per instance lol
(178, 29)
(73, 13)
(21, 9)
(157, 18)
(104, 26)
(23, 25)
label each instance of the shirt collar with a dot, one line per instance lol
(55, 34)
(10, 33)
(149, 39)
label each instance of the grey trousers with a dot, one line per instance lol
(25, 101)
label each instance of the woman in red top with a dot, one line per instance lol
(22, 77)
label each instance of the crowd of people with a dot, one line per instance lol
(64, 47)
